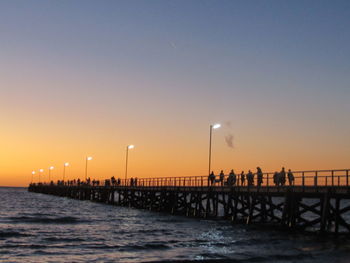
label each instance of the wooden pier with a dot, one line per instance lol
(315, 200)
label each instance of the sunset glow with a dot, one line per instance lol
(158, 74)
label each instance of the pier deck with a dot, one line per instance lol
(302, 205)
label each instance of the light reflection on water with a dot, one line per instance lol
(42, 228)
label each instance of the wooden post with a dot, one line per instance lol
(315, 179)
(303, 179)
(336, 217)
(325, 212)
(267, 180)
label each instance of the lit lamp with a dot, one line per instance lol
(89, 158)
(64, 169)
(40, 171)
(212, 127)
(127, 155)
(50, 169)
(33, 173)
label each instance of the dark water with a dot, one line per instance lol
(42, 228)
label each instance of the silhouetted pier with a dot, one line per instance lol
(316, 200)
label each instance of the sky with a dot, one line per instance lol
(87, 78)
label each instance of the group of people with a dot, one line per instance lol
(279, 178)
(242, 179)
(107, 182)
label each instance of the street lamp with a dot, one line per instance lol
(64, 169)
(33, 173)
(40, 171)
(50, 169)
(89, 158)
(126, 164)
(213, 126)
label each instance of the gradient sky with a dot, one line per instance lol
(82, 78)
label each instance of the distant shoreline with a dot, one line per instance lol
(13, 187)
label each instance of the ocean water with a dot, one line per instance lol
(42, 228)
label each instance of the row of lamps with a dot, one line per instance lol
(128, 147)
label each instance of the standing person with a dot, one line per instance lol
(242, 178)
(259, 175)
(290, 177)
(250, 178)
(222, 176)
(276, 178)
(231, 180)
(283, 177)
(211, 178)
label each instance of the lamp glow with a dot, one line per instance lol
(51, 168)
(66, 164)
(127, 156)
(41, 170)
(33, 172)
(89, 158)
(212, 127)
(216, 126)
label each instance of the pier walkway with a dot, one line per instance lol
(315, 200)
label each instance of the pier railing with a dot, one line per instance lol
(301, 178)
(339, 177)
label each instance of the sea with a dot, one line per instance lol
(43, 228)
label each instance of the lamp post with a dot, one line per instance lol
(127, 156)
(40, 171)
(213, 126)
(89, 158)
(64, 170)
(50, 169)
(33, 173)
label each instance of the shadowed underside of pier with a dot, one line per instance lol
(315, 208)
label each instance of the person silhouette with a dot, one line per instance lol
(283, 177)
(259, 175)
(250, 178)
(290, 177)
(231, 180)
(242, 178)
(222, 176)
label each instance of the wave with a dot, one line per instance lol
(147, 246)
(215, 258)
(5, 234)
(45, 220)
(57, 239)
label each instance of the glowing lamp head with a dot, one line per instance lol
(51, 167)
(89, 158)
(33, 172)
(66, 164)
(216, 126)
(131, 146)
(41, 170)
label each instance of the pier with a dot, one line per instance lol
(315, 201)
